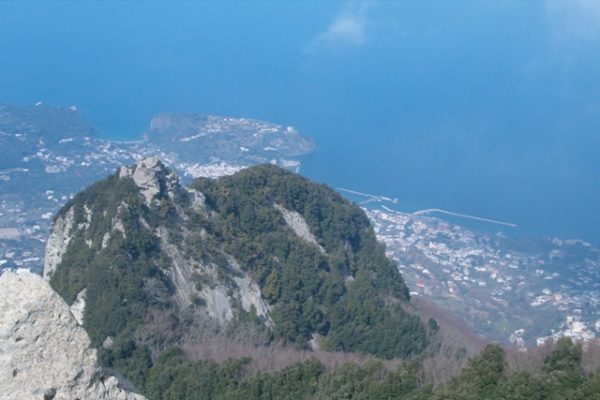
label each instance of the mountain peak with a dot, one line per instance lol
(152, 177)
(266, 251)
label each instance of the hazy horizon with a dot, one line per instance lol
(489, 109)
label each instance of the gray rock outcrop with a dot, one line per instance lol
(44, 352)
(297, 223)
(57, 243)
(151, 176)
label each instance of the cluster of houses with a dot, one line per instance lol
(493, 284)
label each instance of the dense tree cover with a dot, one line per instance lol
(485, 377)
(488, 377)
(351, 295)
(174, 378)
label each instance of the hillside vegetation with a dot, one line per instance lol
(162, 267)
(351, 293)
(486, 376)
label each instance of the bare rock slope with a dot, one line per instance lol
(44, 352)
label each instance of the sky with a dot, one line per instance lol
(485, 108)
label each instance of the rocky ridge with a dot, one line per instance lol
(44, 352)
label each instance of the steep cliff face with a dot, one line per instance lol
(152, 178)
(44, 352)
(263, 256)
(57, 243)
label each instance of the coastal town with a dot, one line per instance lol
(519, 290)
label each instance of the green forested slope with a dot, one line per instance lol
(486, 377)
(347, 297)
(310, 291)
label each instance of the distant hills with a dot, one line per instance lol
(50, 153)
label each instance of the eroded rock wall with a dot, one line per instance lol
(44, 352)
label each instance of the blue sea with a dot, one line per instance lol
(484, 108)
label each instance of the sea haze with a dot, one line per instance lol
(489, 109)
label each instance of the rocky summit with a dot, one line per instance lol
(44, 352)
